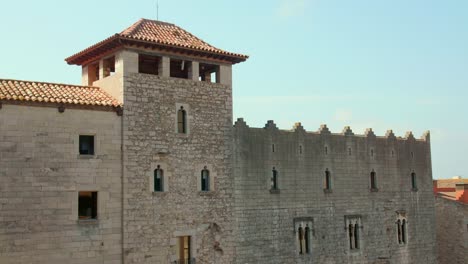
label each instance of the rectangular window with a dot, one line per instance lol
(180, 68)
(158, 180)
(353, 229)
(87, 205)
(93, 73)
(148, 64)
(86, 145)
(109, 66)
(209, 73)
(184, 246)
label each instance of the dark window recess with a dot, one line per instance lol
(413, 181)
(205, 180)
(93, 73)
(87, 205)
(180, 68)
(158, 179)
(208, 72)
(327, 180)
(86, 145)
(373, 183)
(274, 179)
(306, 239)
(301, 240)
(109, 66)
(353, 235)
(148, 64)
(182, 120)
(401, 230)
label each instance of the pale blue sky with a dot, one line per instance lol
(399, 64)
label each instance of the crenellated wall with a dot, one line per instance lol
(265, 219)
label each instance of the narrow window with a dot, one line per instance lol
(272, 147)
(373, 183)
(393, 153)
(356, 235)
(351, 236)
(372, 153)
(327, 180)
(184, 246)
(274, 179)
(182, 121)
(412, 154)
(300, 149)
(399, 231)
(93, 73)
(403, 231)
(86, 145)
(307, 239)
(158, 180)
(205, 180)
(301, 238)
(413, 181)
(148, 64)
(109, 66)
(349, 152)
(87, 205)
(326, 150)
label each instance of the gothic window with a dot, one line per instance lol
(373, 180)
(205, 180)
(327, 180)
(303, 228)
(182, 121)
(274, 179)
(353, 225)
(158, 179)
(414, 186)
(401, 228)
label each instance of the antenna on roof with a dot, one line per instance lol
(157, 9)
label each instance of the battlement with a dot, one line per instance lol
(346, 132)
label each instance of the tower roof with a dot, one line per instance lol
(157, 35)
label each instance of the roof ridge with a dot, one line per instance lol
(43, 82)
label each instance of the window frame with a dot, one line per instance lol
(161, 183)
(94, 145)
(94, 206)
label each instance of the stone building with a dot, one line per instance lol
(142, 164)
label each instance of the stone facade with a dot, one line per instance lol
(241, 218)
(41, 173)
(452, 231)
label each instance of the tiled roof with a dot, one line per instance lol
(156, 33)
(29, 91)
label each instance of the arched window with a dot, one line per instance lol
(356, 235)
(327, 180)
(307, 239)
(300, 235)
(205, 180)
(403, 231)
(413, 181)
(274, 179)
(158, 179)
(182, 121)
(373, 181)
(399, 231)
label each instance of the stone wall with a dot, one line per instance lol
(41, 173)
(154, 220)
(266, 219)
(452, 231)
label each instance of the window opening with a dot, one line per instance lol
(300, 149)
(274, 179)
(179, 68)
(307, 239)
(182, 120)
(413, 181)
(86, 145)
(272, 147)
(352, 226)
(327, 180)
(349, 151)
(208, 73)
(403, 231)
(373, 182)
(148, 64)
(109, 66)
(93, 73)
(326, 150)
(158, 179)
(205, 180)
(301, 238)
(87, 205)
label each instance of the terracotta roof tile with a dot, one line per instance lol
(156, 33)
(30, 91)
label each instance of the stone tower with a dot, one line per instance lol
(177, 133)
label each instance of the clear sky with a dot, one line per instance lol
(398, 64)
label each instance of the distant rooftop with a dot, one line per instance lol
(155, 34)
